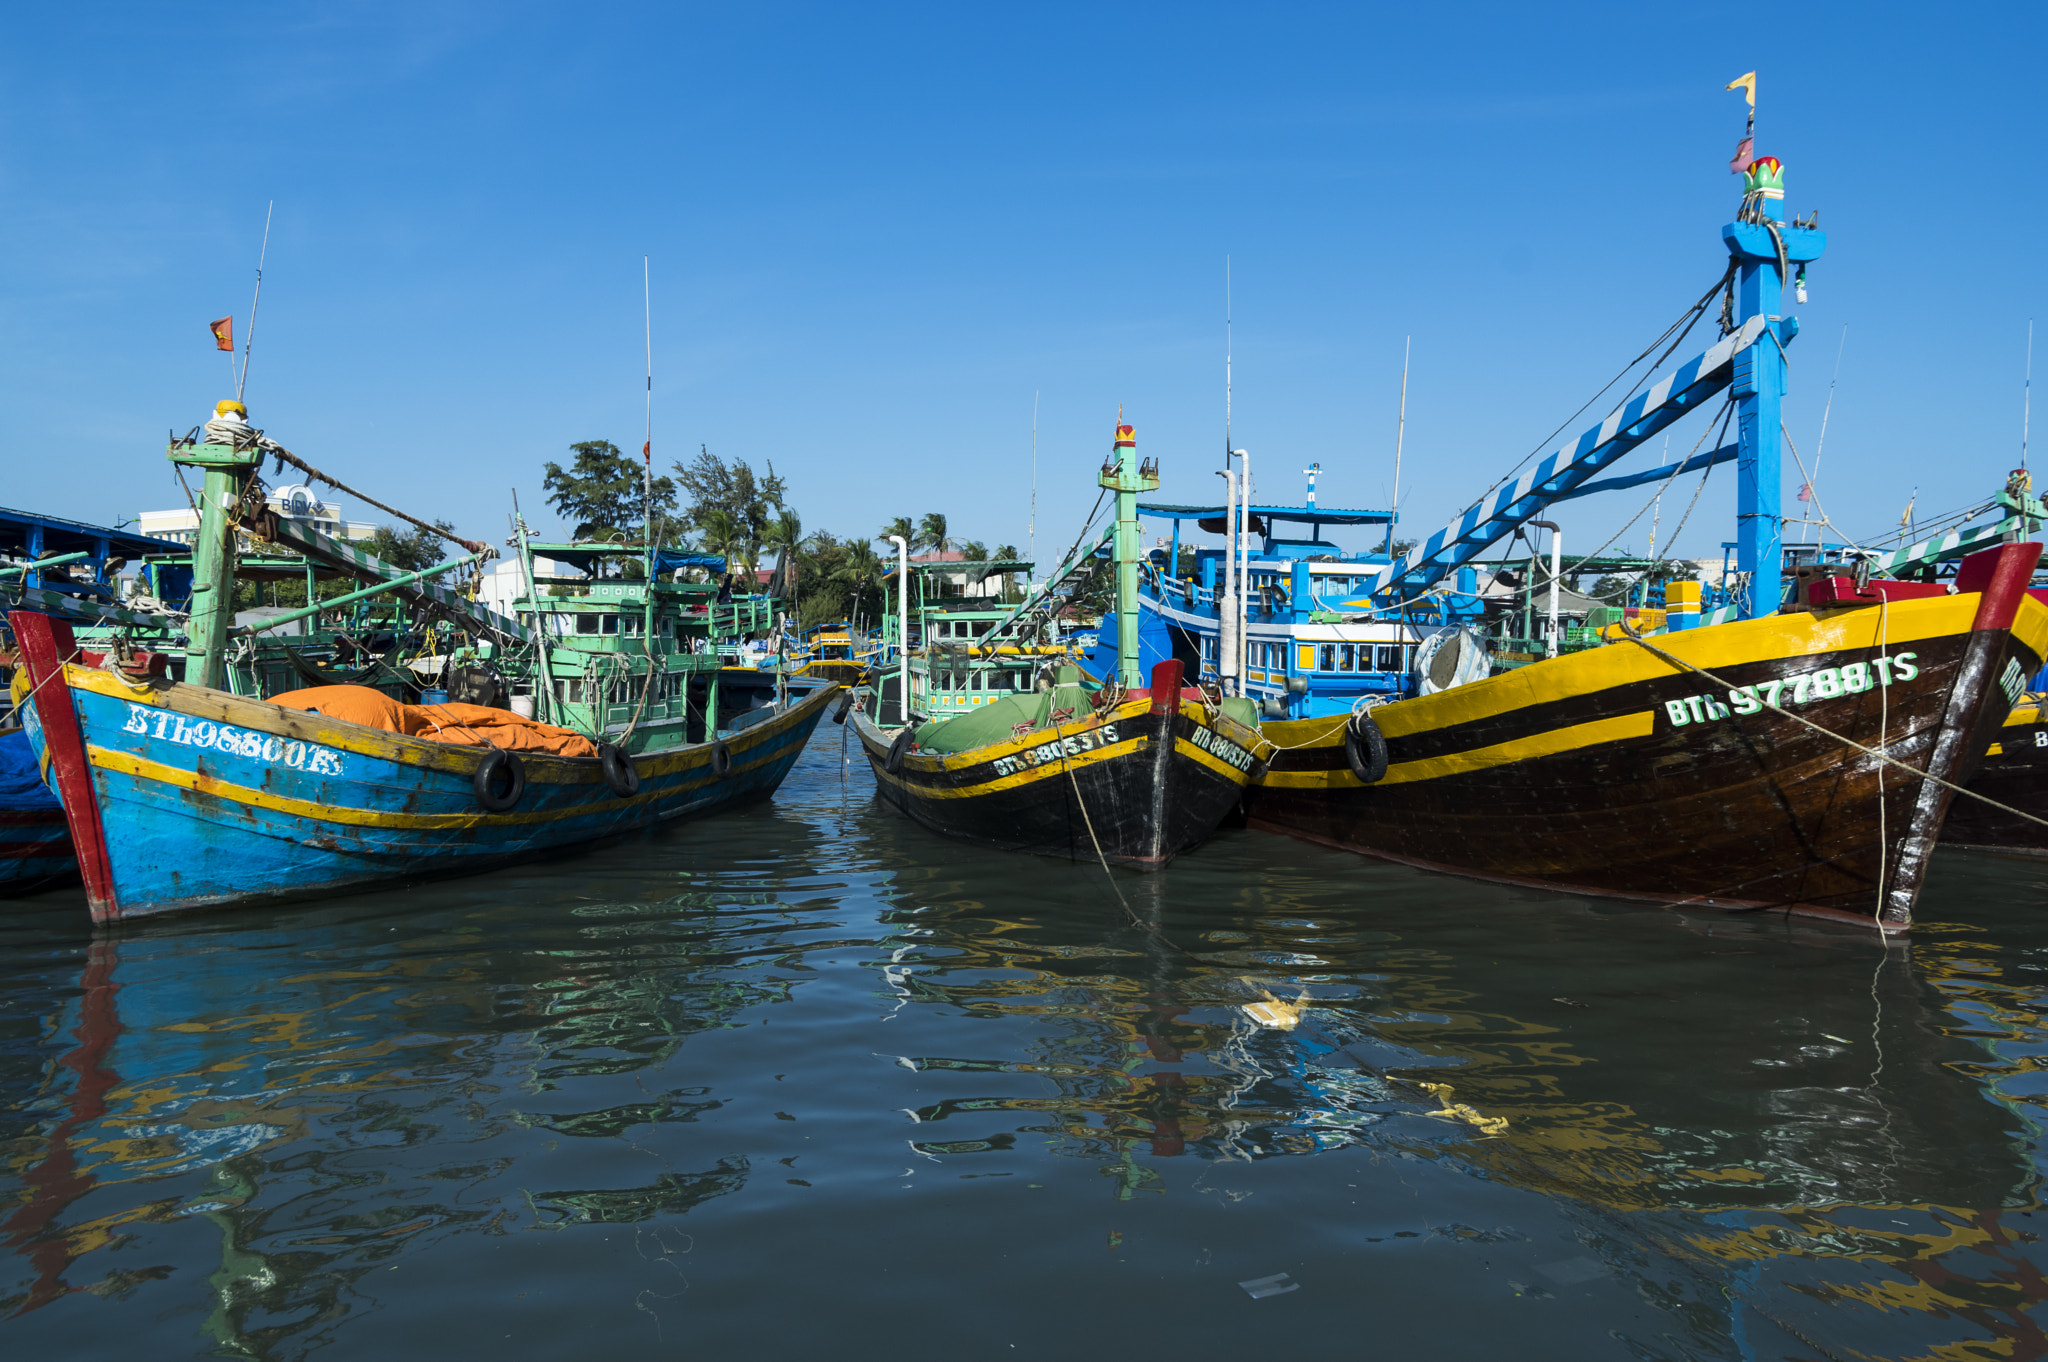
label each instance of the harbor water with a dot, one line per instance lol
(805, 1081)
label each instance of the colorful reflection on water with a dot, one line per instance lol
(808, 1080)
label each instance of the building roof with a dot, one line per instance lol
(73, 536)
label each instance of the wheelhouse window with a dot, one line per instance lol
(1326, 657)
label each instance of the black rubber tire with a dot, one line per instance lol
(499, 767)
(620, 775)
(898, 750)
(1365, 748)
(844, 708)
(721, 760)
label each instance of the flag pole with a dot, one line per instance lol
(647, 447)
(249, 341)
(1821, 446)
(1400, 434)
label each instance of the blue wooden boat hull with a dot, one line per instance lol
(180, 797)
(35, 842)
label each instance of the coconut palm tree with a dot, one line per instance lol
(931, 534)
(974, 551)
(722, 534)
(901, 528)
(784, 536)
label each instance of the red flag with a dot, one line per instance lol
(647, 453)
(1745, 156)
(1806, 491)
(223, 334)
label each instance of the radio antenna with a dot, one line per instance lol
(2027, 394)
(1031, 532)
(1400, 435)
(249, 341)
(1226, 362)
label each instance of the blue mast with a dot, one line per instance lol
(1764, 251)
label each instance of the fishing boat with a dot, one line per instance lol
(180, 794)
(1747, 757)
(1132, 772)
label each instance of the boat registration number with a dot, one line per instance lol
(1053, 751)
(1826, 683)
(1222, 748)
(168, 726)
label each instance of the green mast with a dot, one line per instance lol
(228, 468)
(1125, 476)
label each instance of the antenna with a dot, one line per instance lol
(1400, 434)
(2027, 394)
(1657, 516)
(1226, 361)
(1031, 532)
(647, 448)
(1821, 446)
(249, 340)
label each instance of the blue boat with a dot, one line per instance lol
(35, 844)
(179, 796)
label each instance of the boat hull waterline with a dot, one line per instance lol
(1110, 780)
(179, 797)
(1614, 772)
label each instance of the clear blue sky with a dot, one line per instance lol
(876, 231)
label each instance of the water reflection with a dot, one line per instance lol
(631, 1098)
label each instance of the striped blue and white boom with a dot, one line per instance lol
(1561, 473)
(368, 567)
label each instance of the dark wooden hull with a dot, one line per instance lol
(1111, 781)
(840, 673)
(1580, 774)
(2015, 773)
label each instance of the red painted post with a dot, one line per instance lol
(46, 645)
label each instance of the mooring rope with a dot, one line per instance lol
(1845, 741)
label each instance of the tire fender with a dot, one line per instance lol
(1365, 748)
(898, 750)
(500, 781)
(721, 759)
(620, 775)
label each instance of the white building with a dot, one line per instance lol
(506, 581)
(295, 500)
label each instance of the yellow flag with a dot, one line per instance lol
(1747, 84)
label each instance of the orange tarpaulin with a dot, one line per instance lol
(463, 725)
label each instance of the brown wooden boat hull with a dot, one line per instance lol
(2015, 773)
(1580, 774)
(1109, 781)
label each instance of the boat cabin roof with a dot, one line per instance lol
(19, 531)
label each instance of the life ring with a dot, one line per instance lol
(1365, 748)
(845, 705)
(499, 768)
(721, 759)
(619, 772)
(898, 750)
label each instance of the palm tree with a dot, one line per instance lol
(721, 533)
(1007, 552)
(785, 537)
(931, 534)
(974, 551)
(901, 528)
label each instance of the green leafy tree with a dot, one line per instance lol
(749, 502)
(603, 493)
(411, 548)
(901, 528)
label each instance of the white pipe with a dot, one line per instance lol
(1226, 605)
(902, 626)
(1556, 552)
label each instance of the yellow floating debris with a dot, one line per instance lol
(1270, 1012)
(1458, 1111)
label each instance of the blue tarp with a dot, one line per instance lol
(668, 560)
(21, 784)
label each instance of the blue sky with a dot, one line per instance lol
(877, 231)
